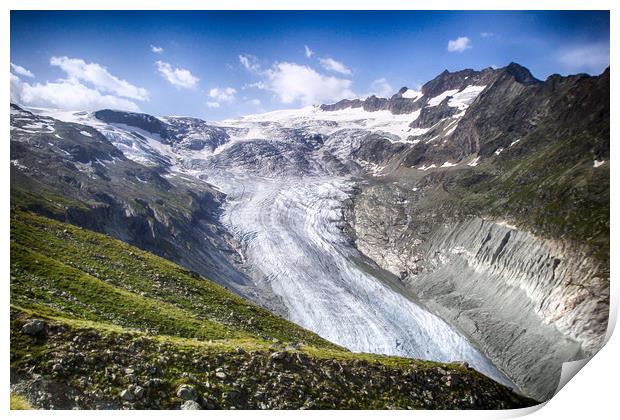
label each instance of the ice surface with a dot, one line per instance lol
(292, 233)
(439, 98)
(314, 119)
(464, 98)
(412, 94)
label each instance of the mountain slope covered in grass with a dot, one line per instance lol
(96, 323)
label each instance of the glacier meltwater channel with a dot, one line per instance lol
(291, 231)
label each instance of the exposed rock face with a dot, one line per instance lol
(145, 122)
(529, 303)
(560, 282)
(182, 132)
(537, 297)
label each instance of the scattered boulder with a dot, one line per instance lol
(35, 328)
(127, 395)
(138, 392)
(190, 405)
(187, 393)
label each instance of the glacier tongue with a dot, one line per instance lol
(291, 229)
(292, 234)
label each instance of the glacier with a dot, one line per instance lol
(285, 210)
(291, 231)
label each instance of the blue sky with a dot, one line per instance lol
(216, 65)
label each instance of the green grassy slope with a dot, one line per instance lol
(121, 319)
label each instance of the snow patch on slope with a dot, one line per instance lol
(412, 94)
(314, 119)
(464, 98)
(436, 100)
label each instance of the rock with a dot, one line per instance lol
(154, 382)
(36, 327)
(190, 405)
(138, 392)
(187, 392)
(464, 365)
(220, 375)
(309, 404)
(293, 347)
(127, 395)
(278, 355)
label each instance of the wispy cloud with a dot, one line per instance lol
(86, 86)
(65, 94)
(21, 70)
(380, 88)
(487, 34)
(178, 77)
(589, 58)
(256, 85)
(221, 95)
(156, 49)
(296, 83)
(459, 45)
(308, 51)
(97, 75)
(249, 61)
(333, 65)
(292, 82)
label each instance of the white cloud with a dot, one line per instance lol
(65, 94)
(213, 104)
(308, 51)
(293, 82)
(381, 88)
(78, 70)
(180, 78)
(223, 94)
(257, 85)
(87, 87)
(21, 71)
(460, 44)
(254, 102)
(156, 49)
(589, 58)
(249, 61)
(486, 34)
(333, 65)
